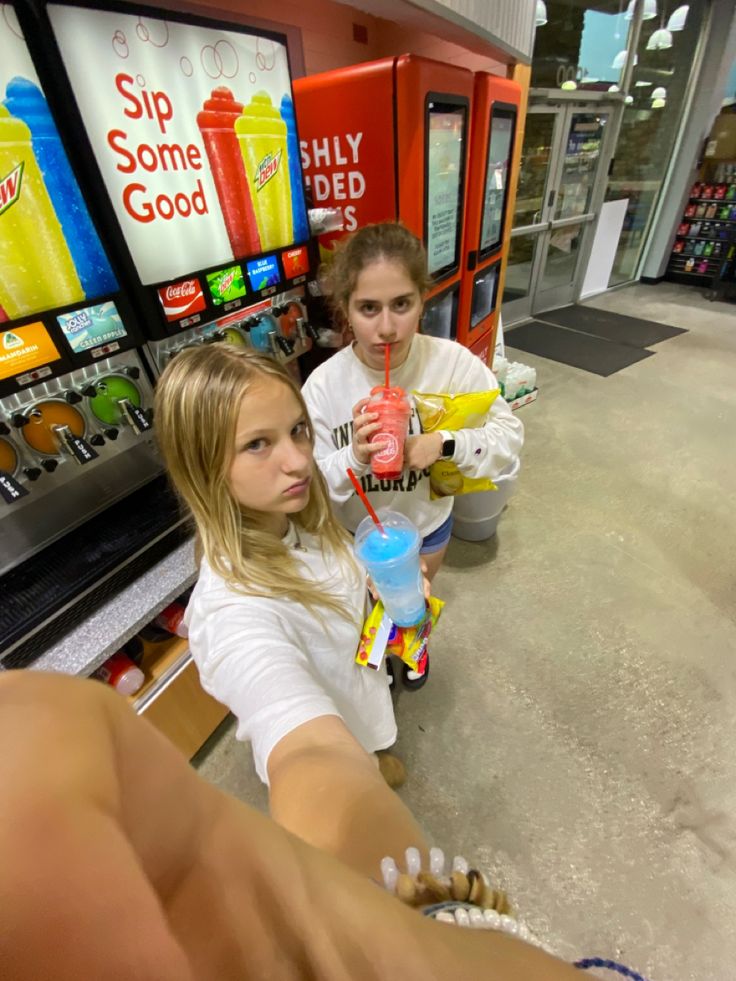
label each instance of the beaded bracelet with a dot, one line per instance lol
(466, 899)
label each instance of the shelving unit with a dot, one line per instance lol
(172, 698)
(704, 250)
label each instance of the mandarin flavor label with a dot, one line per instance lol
(25, 348)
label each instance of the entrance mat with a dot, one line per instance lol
(578, 350)
(611, 326)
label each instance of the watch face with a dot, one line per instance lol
(448, 448)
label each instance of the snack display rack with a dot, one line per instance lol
(704, 250)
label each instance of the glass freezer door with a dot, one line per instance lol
(446, 133)
(500, 146)
(440, 315)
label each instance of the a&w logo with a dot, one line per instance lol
(267, 168)
(10, 188)
(11, 340)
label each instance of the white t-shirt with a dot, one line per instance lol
(276, 666)
(436, 366)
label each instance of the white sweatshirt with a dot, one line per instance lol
(434, 365)
(275, 666)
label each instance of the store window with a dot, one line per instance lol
(579, 45)
(651, 122)
(582, 46)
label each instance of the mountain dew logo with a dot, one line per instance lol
(267, 169)
(226, 282)
(11, 340)
(10, 188)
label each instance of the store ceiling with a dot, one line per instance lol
(604, 6)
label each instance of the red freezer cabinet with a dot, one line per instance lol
(496, 104)
(389, 140)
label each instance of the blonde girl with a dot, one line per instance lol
(275, 617)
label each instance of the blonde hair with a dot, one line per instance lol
(388, 240)
(198, 400)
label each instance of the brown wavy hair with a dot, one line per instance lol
(198, 399)
(388, 240)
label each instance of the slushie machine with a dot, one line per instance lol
(180, 132)
(193, 132)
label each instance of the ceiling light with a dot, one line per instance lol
(540, 18)
(660, 40)
(650, 10)
(678, 18)
(629, 99)
(659, 93)
(618, 61)
(658, 103)
(569, 86)
(613, 88)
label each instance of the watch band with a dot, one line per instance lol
(448, 446)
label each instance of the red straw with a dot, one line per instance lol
(387, 356)
(368, 506)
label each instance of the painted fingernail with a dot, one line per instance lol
(459, 864)
(390, 873)
(436, 860)
(413, 861)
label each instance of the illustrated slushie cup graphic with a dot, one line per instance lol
(216, 123)
(262, 135)
(25, 101)
(393, 410)
(392, 562)
(36, 268)
(298, 207)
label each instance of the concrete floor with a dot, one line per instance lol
(584, 754)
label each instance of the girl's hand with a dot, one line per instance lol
(422, 451)
(365, 424)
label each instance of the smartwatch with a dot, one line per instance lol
(448, 446)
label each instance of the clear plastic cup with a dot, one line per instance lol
(394, 411)
(392, 562)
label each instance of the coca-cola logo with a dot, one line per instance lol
(187, 287)
(181, 299)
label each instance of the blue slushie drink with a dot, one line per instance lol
(392, 562)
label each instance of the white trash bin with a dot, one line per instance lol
(477, 515)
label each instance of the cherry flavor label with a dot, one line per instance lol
(181, 299)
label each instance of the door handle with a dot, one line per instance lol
(551, 198)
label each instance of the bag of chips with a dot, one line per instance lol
(452, 412)
(381, 636)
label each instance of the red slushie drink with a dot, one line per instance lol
(393, 410)
(216, 122)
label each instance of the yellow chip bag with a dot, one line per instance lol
(452, 412)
